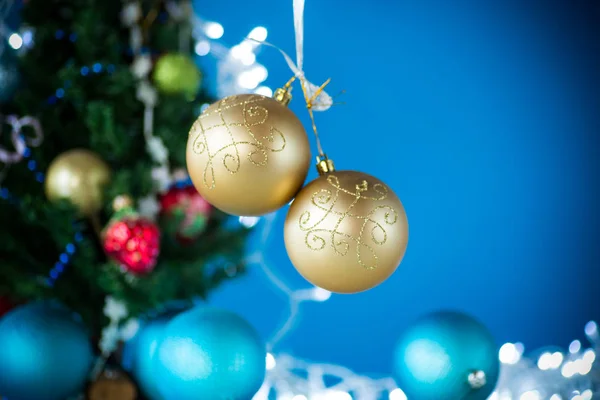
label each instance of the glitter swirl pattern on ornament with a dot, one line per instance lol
(253, 115)
(326, 200)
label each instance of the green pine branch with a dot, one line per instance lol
(100, 111)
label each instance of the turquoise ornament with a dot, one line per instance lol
(45, 353)
(208, 353)
(139, 354)
(447, 356)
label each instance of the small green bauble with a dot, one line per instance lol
(176, 73)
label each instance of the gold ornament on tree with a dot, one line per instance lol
(248, 155)
(79, 176)
(346, 231)
(112, 385)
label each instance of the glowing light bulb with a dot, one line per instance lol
(246, 47)
(557, 360)
(544, 361)
(591, 329)
(568, 370)
(260, 73)
(509, 354)
(583, 368)
(587, 394)
(320, 294)
(259, 33)
(15, 41)
(249, 222)
(550, 361)
(248, 59)
(575, 346)
(505, 395)
(202, 48)
(531, 395)
(341, 396)
(397, 394)
(27, 37)
(270, 361)
(237, 52)
(214, 30)
(247, 80)
(265, 91)
(589, 356)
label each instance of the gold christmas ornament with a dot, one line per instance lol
(79, 176)
(346, 231)
(248, 155)
(112, 385)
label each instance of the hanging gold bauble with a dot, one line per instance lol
(248, 155)
(79, 176)
(346, 231)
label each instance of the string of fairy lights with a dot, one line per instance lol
(572, 374)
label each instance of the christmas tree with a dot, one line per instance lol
(95, 204)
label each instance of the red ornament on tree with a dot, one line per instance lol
(130, 240)
(188, 210)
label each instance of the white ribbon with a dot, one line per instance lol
(299, 29)
(323, 101)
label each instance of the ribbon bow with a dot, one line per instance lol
(321, 101)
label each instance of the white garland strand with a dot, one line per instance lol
(131, 15)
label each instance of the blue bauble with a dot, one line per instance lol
(139, 354)
(9, 76)
(208, 353)
(45, 353)
(434, 357)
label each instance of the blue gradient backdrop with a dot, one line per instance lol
(484, 118)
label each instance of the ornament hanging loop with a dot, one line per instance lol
(477, 379)
(310, 103)
(324, 165)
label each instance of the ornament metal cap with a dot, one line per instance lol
(477, 379)
(324, 165)
(283, 96)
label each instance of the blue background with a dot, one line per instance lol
(484, 118)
